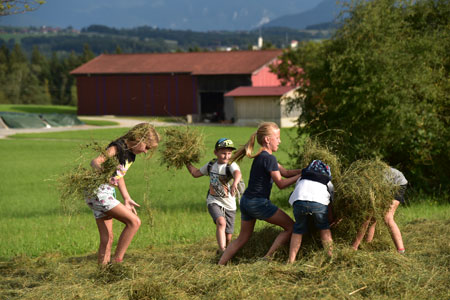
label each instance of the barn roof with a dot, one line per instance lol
(259, 91)
(195, 63)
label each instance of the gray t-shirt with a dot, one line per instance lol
(219, 188)
(396, 177)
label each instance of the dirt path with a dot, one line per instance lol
(5, 132)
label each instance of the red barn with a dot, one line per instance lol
(170, 84)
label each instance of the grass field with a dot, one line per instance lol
(39, 109)
(64, 109)
(45, 254)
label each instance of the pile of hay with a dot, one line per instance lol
(312, 150)
(362, 192)
(81, 182)
(181, 145)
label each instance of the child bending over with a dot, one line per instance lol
(105, 206)
(310, 199)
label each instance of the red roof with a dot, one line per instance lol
(195, 63)
(259, 91)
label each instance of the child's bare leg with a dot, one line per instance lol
(280, 218)
(132, 224)
(327, 241)
(296, 242)
(395, 231)
(360, 234)
(105, 230)
(245, 234)
(221, 224)
(229, 236)
(371, 232)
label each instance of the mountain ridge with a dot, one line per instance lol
(197, 15)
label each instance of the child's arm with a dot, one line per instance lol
(97, 162)
(283, 182)
(128, 202)
(193, 170)
(237, 175)
(288, 173)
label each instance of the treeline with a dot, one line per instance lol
(37, 79)
(103, 39)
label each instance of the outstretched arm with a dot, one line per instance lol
(288, 173)
(237, 175)
(283, 182)
(193, 170)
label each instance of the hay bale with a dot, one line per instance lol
(363, 191)
(181, 145)
(82, 182)
(311, 150)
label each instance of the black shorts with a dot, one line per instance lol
(400, 196)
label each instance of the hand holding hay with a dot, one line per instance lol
(182, 145)
(82, 182)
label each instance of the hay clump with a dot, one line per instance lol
(363, 192)
(312, 150)
(82, 182)
(181, 145)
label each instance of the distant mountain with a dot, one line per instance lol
(196, 15)
(325, 12)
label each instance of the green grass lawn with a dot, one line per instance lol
(98, 122)
(34, 162)
(31, 205)
(45, 254)
(39, 109)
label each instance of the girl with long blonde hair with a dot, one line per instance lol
(139, 139)
(255, 202)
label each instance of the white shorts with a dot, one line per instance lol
(104, 201)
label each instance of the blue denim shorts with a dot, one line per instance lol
(256, 208)
(303, 209)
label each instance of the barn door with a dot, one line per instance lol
(212, 106)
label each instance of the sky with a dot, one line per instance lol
(197, 15)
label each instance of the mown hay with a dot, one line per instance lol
(361, 190)
(181, 145)
(190, 271)
(362, 193)
(81, 182)
(312, 150)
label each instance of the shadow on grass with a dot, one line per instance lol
(261, 240)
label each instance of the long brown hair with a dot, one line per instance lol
(264, 129)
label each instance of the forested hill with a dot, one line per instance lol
(103, 39)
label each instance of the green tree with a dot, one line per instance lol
(380, 87)
(118, 50)
(37, 86)
(4, 54)
(87, 54)
(17, 72)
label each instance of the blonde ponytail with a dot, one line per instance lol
(264, 129)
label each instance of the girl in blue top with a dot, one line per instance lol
(255, 203)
